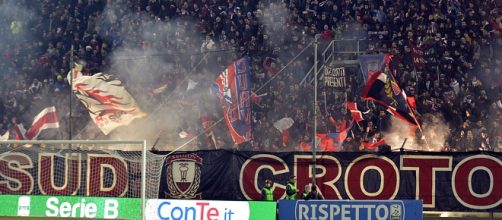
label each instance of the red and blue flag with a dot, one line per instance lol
(233, 87)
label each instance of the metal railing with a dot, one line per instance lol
(346, 51)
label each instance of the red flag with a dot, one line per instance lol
(333, 141)
(372, 145)
(412, 102)
(356, 114)
(339, 126)
(47, 118)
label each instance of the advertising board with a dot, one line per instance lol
(350, 209)
(210, 210)
(67, 206)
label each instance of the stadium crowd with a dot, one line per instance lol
(448, 54)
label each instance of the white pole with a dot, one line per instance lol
(143, 181)
(314, 148)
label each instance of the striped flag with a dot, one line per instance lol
(354, 111)
(46, 119)
(233, 87)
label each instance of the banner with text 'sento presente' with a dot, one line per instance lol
(206, 209)
(350, 209)
(67, 206)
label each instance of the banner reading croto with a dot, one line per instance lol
(443, 181)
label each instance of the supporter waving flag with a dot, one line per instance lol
(108, 102)
(233, 87)
(328, 142)
(383, 89)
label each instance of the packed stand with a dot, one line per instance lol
(456, 74)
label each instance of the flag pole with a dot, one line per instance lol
(412, 112)
(314, 147)
(418, 125)
(71, 87)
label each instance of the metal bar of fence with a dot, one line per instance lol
(331, 46)
(349, 52)
(307, 75)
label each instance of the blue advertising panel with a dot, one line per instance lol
(350, 209)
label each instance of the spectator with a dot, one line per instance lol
(448, 54)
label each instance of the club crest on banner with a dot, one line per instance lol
(183, 176)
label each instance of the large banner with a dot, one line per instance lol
(70, 172)
(67, 206)
(443, 181)
(350, 209)
(157, 209)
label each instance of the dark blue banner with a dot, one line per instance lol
(442, 181)
(346, 209)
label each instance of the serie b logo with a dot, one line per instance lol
(395, 212)
(183, 176)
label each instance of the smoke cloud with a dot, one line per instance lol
(155, 77)
(435, 129)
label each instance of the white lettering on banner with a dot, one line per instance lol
(346, 211)
(196, 210)
(378, 211)
(111, 209)
(357, 207)
(80, 209)
(334, 77)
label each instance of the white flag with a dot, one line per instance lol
(191, 84)
(108, 102)
(47, 118)
(284, 124)
(5, 136)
